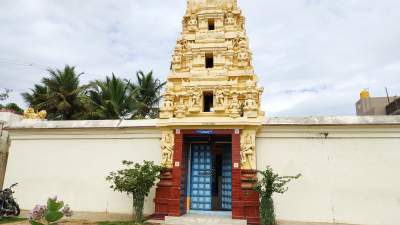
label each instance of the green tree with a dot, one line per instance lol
(269, 184)
(110, 99)
(37, 98)
(14, 107)
(60, 94)
(10, 106)
(148, 95)
(136, 180)
(4, 95)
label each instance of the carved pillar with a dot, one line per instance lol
(245, 201)
(167, 200)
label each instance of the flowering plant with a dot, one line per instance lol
(49, 214)
(269, 184)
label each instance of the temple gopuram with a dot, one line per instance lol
(210, 116)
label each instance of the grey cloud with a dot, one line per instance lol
(312, 56)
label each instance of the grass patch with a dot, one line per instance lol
(5, 220)
(122, 223)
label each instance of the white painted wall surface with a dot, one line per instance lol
(74, 165)
(352, 176)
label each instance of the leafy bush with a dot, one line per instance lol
(13, 107)
(49, 214)
(136, 180)
(269, 184)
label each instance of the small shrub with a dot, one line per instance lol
(135, 180)
(269, 184)
(49, 214)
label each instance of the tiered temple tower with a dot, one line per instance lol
(211, 70)
(211, 88)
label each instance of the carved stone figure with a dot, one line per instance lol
(250, 103)
(220, 99)
(230, 19)
(235, 106)
(248, 150)
(168, 105)
(192, 23)
(250, 108)
(243, 58)
(167, 110)
(167, 149)
(30, 113)
(182, 45)
(180, 108)
(250, 85)
(195, 97)
(176, 59)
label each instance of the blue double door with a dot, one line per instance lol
(210, 178)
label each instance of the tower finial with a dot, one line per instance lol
(193, 4)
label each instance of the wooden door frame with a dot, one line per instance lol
(179, 165)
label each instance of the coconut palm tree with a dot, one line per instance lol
(60, 94)
(111, 98)
(37, 98)
(147, 95)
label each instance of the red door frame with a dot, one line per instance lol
(169, 191)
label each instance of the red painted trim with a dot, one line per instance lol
(245, 203)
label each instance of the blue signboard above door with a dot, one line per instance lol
(209, 132)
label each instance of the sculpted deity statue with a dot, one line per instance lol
(30, 113)
(243, 58)
(230, 19)
(167, 149)
(192, 23)
(168, 105)
(180, 108)
(182, 45)
(239, 42)
(250, 103)
(247, 151)
(176, 59)
(195, 97)
(250, 85)
(235, 106)
(220, 97)
(167, 111)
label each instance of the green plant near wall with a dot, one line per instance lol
(269, 184)
(49, 214)
(136, 180)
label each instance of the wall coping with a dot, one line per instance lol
(332, 120)
(269, 121)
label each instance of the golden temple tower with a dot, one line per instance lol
(211, 70)
(211, 95)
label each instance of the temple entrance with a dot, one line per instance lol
(209, 170)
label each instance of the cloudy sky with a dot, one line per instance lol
(312, 56)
